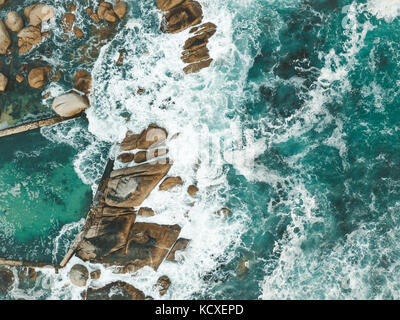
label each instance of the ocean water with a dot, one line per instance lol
(294, 127)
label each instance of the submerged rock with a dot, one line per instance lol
(163, 283)
(6, 280)
(170, 183)
(14, 22)
(3, 82)
(79, 275)
(117, 290)
(38, 13)
(69, 104)
(5, 39)
(28, 37)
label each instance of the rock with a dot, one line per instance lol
(120, 9)
(170, 182)
(38, 13)
(196, 55)
(27, 278)
(126, 157)
(72, 7)
(180, 244)
(69, 104)
(225, 212)
(163, 283)
(3, 82)
(83, 81)
(78, 32)
(110, 16)
(19, 77)
(120, 60)
(130, 141)
(205, 27)
(129, 187)
(95, 274)
(6, 280)
(2, 2)
(140, 156)
(151, 137)
(192, 190)
(106, 12)
(37, 77)
(145, 212)
(117, 290)
(79, 275)
(165, 5)
(5, 39)
(181, 17)
(14, 22)
(68, 21)
(28, 37)
(196, 67)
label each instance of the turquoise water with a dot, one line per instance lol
(294, 127)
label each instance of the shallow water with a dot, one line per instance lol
(294, 127)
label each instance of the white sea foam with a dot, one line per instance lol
(384, 9)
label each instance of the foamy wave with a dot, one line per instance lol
(384, 9)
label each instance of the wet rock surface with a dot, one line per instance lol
(79, 275)
(118, 290)
(6, 280)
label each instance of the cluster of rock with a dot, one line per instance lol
(183, 14)
(106, 11)
(111, 236)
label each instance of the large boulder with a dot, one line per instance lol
(14, 22)
(5, 39)
(150, 137)
(170, 182)
(120, 9)
(179, 245)
(3, 82)
(28, 37)
(118, 290)
(6, 280)
(129, 187)
(38, 13)
(166, 5)
(79, 275)
(83, 81)
(181, 17)
(69, 104)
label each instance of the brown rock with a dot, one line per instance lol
(118, 290)
(103, 7)
(146, 212)
(192, 190)
(130, 141)
(5, 39)
(68, 21)
(120, 9)
(181, 17)
(163, 283)
(170, 182)
(120, 60)
(205, 27)
(38, 13)
(129, 187)
(78, 32)
(151, 136)
(83, 81)
(14, 22)
(95, 17)
(3, 82)
(165, 5)
(79, 275)
(225, 212)
(110, 16)
(140, 156)
(37, 77)
(28, 37)
(95, 274)
(72, 7)
(6, 280)
(196, 67)
(19, 77)
(201, 53)
(180, 244)
(126, 157)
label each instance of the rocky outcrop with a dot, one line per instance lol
(28, 37)
(163, 284)
(79, 275)
(180, 15)
(6, 280)
(38, 13)
(118, 290)
(180, 244)
(170, 183)
(3, 82)
(192, 190)
(126, 157)
(14, 22)
(69, 104)
(5, 39)
(129, 187)
(145, 212)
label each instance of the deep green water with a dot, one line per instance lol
(304, 95)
